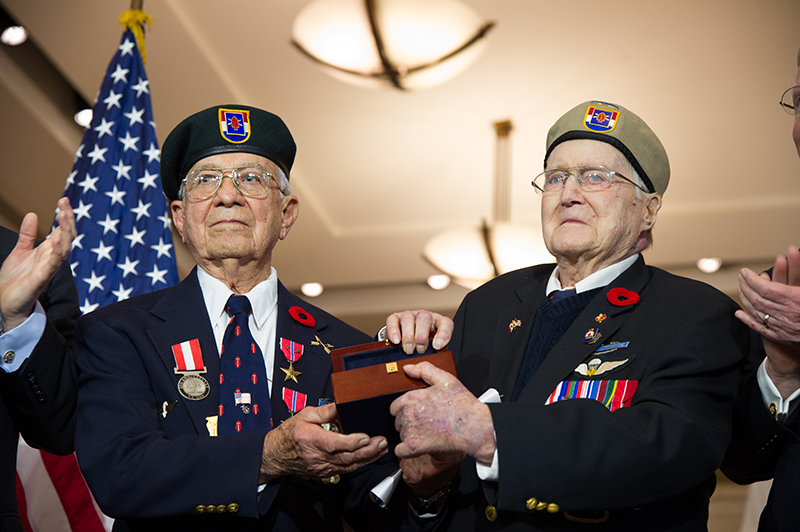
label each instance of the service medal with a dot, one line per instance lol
(189, 364)
(193, 386)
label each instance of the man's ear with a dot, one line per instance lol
(650, 215)
(176, 207)
(290, 208)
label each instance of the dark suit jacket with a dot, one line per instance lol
(153, 472)
(650, 464)
(38, 400)
(764, 448)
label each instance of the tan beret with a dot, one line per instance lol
(622, 129)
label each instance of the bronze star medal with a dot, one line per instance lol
(292, 351)
(291, 373)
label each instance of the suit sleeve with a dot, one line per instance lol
(41, 394)
(759, 441)
(580, 455)
(138, 463)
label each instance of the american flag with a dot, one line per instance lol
(123, 248)
(124, 243)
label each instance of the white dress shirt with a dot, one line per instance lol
(262, 321)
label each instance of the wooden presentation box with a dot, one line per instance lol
(367, 378)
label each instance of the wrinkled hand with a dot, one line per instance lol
(780, 298)
(413, 328)
(27, 270)
(427, 474)
(442, 419)
(300, 446)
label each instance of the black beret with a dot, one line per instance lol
(224, 129)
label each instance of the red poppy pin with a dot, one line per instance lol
(622, 297)
(301, 316)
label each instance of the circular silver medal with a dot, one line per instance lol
(193, 387)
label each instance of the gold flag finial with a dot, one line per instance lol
(135, 20)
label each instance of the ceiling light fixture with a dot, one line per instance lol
(14, 35)
(472, 256)
(406, 44)
(439, 281)
(83, 117)
(311, 289)
(709, 265)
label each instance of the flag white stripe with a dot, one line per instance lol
(45, 511)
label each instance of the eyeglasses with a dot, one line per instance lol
(589, 178)
(790, 100)
(251, 180)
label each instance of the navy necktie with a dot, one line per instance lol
(243, 387)
(558, 295)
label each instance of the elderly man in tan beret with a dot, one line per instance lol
(612, 379)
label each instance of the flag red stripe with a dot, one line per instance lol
(22, 504)
(73, 492)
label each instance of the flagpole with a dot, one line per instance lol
(137, 4)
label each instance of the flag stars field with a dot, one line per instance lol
(124, 244)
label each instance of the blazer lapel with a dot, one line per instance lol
(315, 363)
(512, 332)
(573, 348)
(181, 301)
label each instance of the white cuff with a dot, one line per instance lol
(489, 471)
(771, 395)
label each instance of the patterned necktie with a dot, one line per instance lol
(243, 387)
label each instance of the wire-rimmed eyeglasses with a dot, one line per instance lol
(251, 180)
(589, 179)
(790, 100)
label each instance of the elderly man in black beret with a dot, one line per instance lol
(201, 405)
(614, 379)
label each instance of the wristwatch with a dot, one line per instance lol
(425, 504)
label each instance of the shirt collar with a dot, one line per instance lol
(263, 297)
(596, 280)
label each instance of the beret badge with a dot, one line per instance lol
(234, 125)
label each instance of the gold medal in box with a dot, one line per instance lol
(367, 378)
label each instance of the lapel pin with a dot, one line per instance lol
(592, 336)
(622, 297)
(166, 408)
(600, 318)
(325, 346)
(514, 324)
(301, 316)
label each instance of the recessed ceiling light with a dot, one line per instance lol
(311, 289)
(439, 282)
(709, 265)
(14, 35)
(83, 118)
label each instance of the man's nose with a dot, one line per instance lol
(228, 188)
(571, 192)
